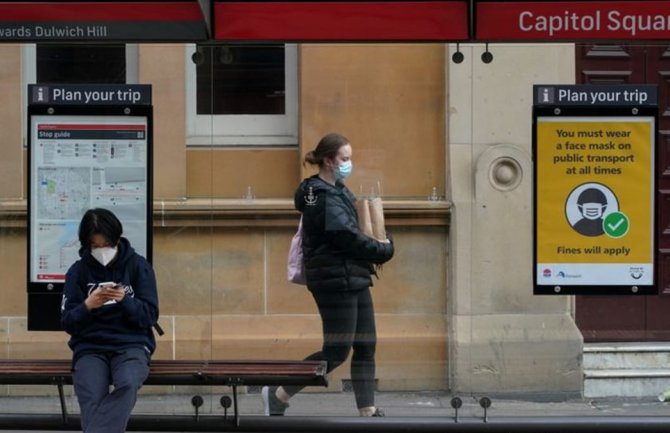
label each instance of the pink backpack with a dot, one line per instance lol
(296, 265)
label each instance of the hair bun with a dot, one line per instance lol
(310, 158)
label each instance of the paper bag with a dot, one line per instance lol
(377, 219)
(364, 221)
(371, 218)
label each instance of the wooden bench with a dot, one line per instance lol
(176, 372)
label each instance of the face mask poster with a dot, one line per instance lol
(595, 186)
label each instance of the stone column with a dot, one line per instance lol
(162, 66)
(503, 339)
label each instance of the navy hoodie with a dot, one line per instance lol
(117, 325)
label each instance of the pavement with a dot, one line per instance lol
(401, 404)
(426, 412)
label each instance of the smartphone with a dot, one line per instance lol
(107, 285)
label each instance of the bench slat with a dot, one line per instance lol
(179, 372)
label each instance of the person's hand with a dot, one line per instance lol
(101, 295)
(115, 293)
(96, 298)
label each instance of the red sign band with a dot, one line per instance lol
(342, 21)
(570, 21)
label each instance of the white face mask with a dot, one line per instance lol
(104, 255)
(592, 211)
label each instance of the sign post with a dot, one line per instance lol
(594, 201)
(88, 146)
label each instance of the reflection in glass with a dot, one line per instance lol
(81, 63)
(241, 80)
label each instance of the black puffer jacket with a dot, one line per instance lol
(337, 255)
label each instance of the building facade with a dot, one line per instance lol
(446, 145)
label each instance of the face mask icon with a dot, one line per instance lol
(592, 211)
(587, 206)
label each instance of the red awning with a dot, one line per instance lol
(341, 21)
(96, 21)
(332, 21)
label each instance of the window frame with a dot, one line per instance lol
(244, 129)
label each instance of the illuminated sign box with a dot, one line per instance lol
(594, 196)
(89, 146)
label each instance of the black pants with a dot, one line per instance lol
(348, 322)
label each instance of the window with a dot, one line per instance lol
(81, 64)
(242, 95)
(65, 63)
(78, 63)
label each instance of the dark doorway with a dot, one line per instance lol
(633, 318)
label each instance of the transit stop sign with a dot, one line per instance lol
(595, 185)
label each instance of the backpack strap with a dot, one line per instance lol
(132, 272)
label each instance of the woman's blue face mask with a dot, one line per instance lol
(344, 169)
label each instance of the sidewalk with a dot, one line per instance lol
(420, 404)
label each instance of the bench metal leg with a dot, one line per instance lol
(235, 410)
(63, 406)
(226, 402)
(197, 401)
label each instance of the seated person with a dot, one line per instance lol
(110, 324)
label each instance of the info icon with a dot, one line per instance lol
(545, 95)
(40, 94)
